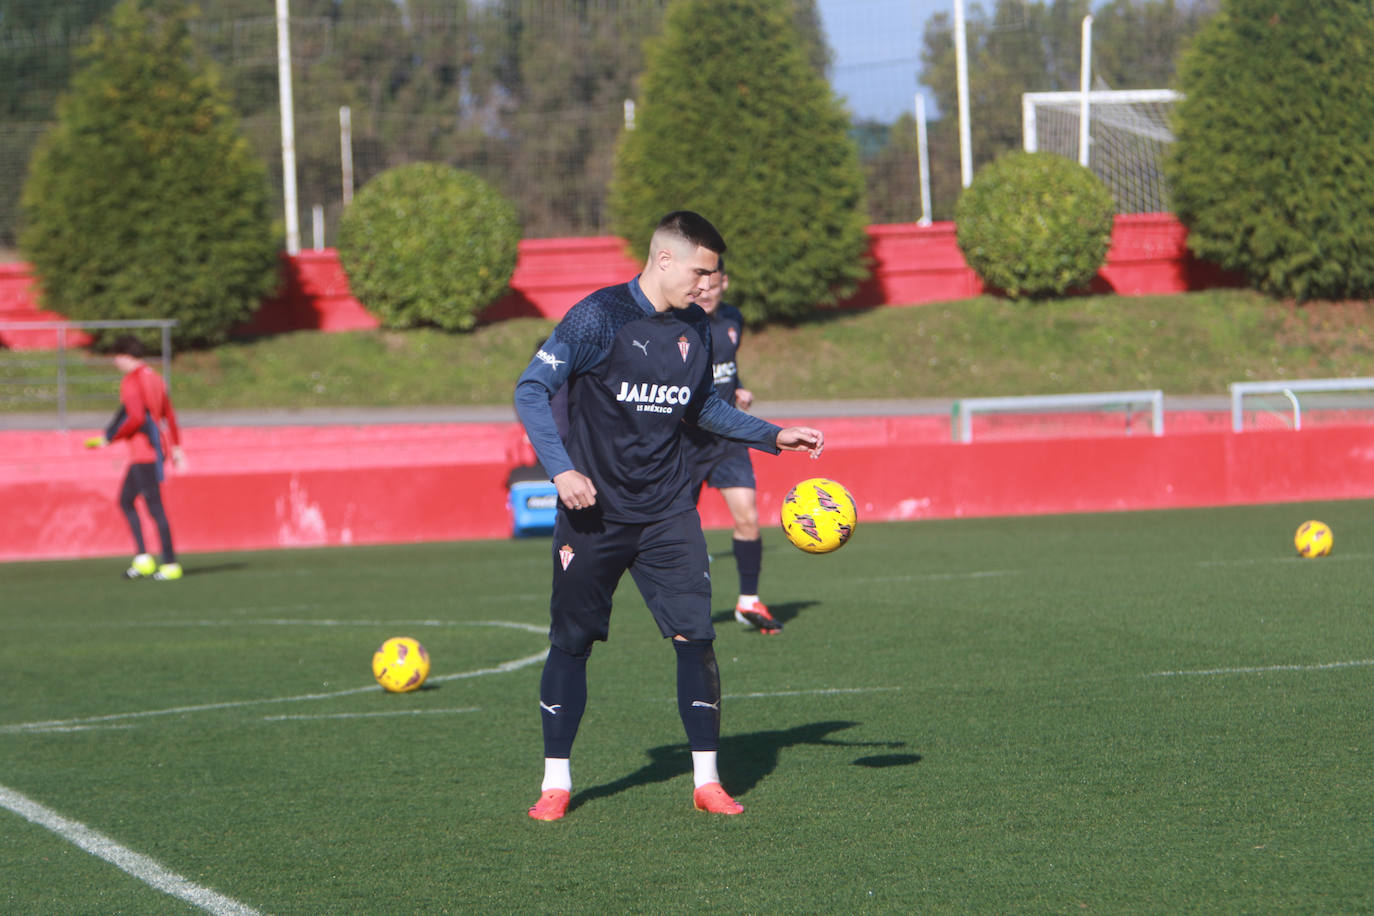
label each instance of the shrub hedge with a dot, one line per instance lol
(427, 244)
(1035, 224)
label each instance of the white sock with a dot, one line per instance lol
(704, 767)
(557, 774)
(747, 601)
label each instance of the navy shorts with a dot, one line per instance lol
(667, 559)
(723, 464)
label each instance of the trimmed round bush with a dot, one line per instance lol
(427, 244)
(1035, 224)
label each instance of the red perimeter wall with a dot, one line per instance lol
(912, 265)
(314, 486)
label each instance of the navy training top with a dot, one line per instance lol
(635, 375)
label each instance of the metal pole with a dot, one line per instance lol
(922, 160)
(167, 357)
(1084, 84)
(961, 66)
(62, 378)
(288, 128)
(346, 151)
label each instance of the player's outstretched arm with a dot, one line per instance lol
(575, 489)
(801, 439)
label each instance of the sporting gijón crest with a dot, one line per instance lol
(683, 346)
(565, 555)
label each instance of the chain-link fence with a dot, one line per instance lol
(68, 378)
(528, 94)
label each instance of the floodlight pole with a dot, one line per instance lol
(922, 160)
(961, 67)
(1085, 69)
(288, 128)
(346, 152)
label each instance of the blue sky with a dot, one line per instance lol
(877, 47)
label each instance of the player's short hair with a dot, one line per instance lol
(689, 227)
(128, 345)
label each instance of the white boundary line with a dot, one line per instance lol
(326, 622)
(945, 577)
(67, 724)
(372, 715)
(819, 691)
(147, 870)
(1212, 672)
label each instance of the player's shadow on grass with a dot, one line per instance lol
(746, 758)
(213, 568)
(784, 613)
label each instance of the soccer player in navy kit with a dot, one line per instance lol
(724, 464)
(637, 361)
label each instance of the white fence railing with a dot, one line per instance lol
(1289, 389)
(55, 364)
(965, 408)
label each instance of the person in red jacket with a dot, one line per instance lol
(147, 421)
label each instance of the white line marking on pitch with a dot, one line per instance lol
(373, 715)
(304, 622)
(139, 866)
(79, 728)
(1205, 672)
(1343, 556)
(819, 691)
(937, 577)
(502, 668)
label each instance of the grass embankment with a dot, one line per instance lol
(1189, 344)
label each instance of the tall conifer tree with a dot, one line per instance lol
(736, 122)
(144, 200)
(1273, 172)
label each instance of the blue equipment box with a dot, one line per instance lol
(533, 506)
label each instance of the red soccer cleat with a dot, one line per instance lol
(714, 799)
(552, 805)
(759, 618)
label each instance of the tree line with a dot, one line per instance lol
(529, 94)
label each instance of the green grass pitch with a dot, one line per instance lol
(1135, 712)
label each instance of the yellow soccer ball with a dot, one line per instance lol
(1313, 539)
(819, 515)
(400, 664)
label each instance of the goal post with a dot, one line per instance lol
(1329, 394)
(1128, 132)
(1125, 402)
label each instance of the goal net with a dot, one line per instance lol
(1128, 138)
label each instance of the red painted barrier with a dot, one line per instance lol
(18, 300)
(912, 265)
(317, 486)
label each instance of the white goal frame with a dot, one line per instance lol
(1108, 113)
(1290, 390)
(965, 408)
